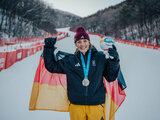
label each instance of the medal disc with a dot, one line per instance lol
(85, 82)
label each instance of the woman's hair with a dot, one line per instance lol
(90, 45)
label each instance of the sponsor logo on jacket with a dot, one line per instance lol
(77, 65)
(93, 63)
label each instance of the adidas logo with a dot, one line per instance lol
(82, 36)
(77, 65)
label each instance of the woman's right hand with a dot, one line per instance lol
(50, 42)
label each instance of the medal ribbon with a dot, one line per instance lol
(86, 67)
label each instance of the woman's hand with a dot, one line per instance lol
(113, 52)
(50, 42)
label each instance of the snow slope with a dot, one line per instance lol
(140, 66)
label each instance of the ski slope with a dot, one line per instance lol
(140, 66)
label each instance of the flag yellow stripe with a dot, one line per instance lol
(49, 97)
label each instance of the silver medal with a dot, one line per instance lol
(85, 82)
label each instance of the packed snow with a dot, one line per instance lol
(140, 67)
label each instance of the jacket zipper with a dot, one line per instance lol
(86, 91)
(86, 94)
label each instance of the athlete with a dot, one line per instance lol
(85, 70)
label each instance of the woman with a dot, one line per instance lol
(84, 70)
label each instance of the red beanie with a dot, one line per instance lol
(80, 34)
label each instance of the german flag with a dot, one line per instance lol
(49, 92)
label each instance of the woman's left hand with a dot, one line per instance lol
(113, 52)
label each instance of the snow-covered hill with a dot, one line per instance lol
(65, 19)
(140, 66)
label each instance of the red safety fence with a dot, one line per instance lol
(10, 59)
(145, 45)
(2, 60)
(16, 49)
(140, 44)
(19, 54)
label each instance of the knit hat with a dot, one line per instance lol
(81, 34)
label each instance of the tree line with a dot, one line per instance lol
(141, 18)
(130, 20)
(22, 18)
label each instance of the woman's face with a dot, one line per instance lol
(83, 45)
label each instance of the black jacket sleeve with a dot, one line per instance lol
(111, 70)
(50, 63)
